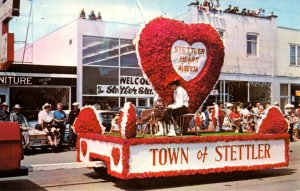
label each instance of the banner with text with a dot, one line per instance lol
(129, 86)
(198, 156)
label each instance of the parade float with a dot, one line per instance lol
(193, 54)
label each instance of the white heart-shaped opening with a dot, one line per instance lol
(188, 60)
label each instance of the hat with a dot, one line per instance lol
(4, 104)
(17, 106)
(229, 105)
(46, 105)
(172, 80)
(289, 105)
(75, 103)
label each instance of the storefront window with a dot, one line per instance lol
(129, 60)
(142, 101)
(110, 69)
(260, 91)
(92, 76)
(238, 91)
(131, 72)
(295, 94)
(102, 103)
(100, 51)
(132, 100)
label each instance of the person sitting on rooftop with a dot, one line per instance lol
(228, 9)
(92, 16)
(99, 17)
(206, 6)
(261, 12)
(194, 3)
(235, 10)
(244, 11)
(82, 14)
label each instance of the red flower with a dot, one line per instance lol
(88, 121)
(127, 121)
(273, 122)
(154, 51)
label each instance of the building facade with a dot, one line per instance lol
(261, 60)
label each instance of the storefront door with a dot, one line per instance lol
(4, 95)
(2, 98)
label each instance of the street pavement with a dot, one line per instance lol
(281, 179)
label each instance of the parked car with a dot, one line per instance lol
(38, 138)
(106, 116)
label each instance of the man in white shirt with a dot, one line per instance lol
(180, 105)
(45, 119)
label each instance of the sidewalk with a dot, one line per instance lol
(49, 158)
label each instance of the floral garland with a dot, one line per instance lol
(88, 121)
(273, 122)
(189, 139)
(155, 40)
(167, 140)
(128, 121)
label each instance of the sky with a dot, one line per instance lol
(48, 15)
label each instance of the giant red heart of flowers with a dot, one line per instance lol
(155, 45)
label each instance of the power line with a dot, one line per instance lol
(30, 12)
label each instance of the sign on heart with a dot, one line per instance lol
(188, 60)
(192, 53)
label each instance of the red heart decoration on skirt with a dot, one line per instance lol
(115, 153)
(83, 147)
(191, 53)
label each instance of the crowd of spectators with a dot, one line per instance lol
(91, 16)
(209, 7)
(241, 117)
(52, 122)
(213, 6)
(258, 13)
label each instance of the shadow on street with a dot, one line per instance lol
(180, 181)
(22, 184)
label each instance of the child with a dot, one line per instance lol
(115, 127)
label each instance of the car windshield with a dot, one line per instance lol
(107, 117)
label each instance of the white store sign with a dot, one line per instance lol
(129, 86)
